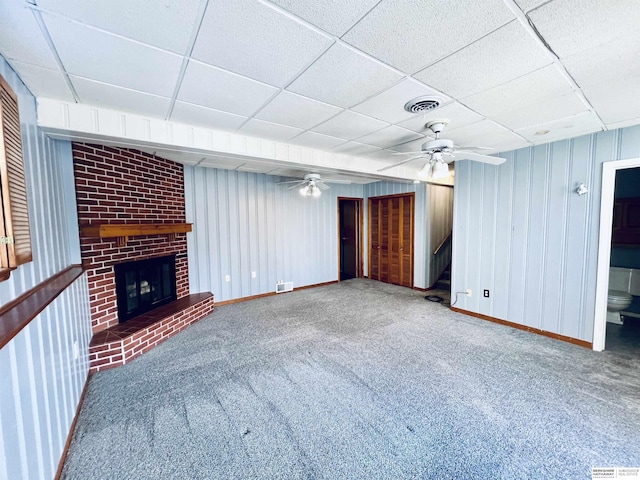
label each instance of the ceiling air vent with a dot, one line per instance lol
(421, 104)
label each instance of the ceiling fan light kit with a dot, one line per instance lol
(311, 185)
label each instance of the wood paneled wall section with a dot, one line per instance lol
(440, 213)
(244, 222)
(40, 379)
(522, 232)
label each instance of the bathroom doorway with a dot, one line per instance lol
(609, 171)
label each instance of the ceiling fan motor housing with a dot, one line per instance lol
(437, 145)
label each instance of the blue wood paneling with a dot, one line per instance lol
(245, 222)
(40, 378)
(538, 250)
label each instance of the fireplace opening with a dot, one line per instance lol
(144, 285)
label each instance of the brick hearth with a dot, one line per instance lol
(122, 186)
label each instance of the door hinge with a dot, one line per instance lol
(6, 241)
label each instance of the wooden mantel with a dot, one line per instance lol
(122, 231)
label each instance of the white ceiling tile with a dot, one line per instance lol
(343, 77)
(389, 105)
(317, 140)
(90, 53)
(117, 98)
(334, 16)
(413, 146)
(544, 110)
(206, 117)
(222, 90)
(389, 137)
(20, 36)
(572, 26)
(573, 126)
(503, 55)
(350, 125)
(523, 91)
(527, 5)
(272, 50)
(355, 148)
(169, 27)
(425, 28)
(609, 76)
(296, 111)
(43, 82)
(268, 130)
(455, 114)
(485, 134)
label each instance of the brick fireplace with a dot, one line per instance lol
(123, 186)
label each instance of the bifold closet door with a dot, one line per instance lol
(391, 239)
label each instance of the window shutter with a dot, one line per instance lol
(16, 238)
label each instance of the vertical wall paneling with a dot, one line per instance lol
(249, 223)
(41, 380)
(539, 249)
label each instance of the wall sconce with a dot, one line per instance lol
(582, 189)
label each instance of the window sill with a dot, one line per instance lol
(17, 314)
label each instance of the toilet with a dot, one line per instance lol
(623, 284)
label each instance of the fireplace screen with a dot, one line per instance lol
(144, 285)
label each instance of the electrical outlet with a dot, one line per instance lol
(253, 274)
(227, 278)
(468, 292)
(486, 293)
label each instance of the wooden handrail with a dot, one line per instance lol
(17, 314)
(448, 237)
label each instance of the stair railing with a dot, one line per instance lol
(443, 243)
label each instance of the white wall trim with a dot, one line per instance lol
(609, 170)
(70, 121)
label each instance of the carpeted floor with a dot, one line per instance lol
(358, 380)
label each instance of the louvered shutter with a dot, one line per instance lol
(16, 238)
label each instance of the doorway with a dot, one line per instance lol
(609, 170)
(391, 239)
(350, 220)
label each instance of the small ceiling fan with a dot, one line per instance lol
(440, 152)
(312, 184)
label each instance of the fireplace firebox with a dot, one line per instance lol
(144, 285)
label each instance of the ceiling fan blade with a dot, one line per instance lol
(322, 186)
(397, 164)
(335, 180)
(299, 184)
(290, 181)
(473, 147)
(407, 153)
(463, 155)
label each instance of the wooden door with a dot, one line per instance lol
(391, 239)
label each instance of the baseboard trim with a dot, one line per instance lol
(526, 328)
(72, 429)
(271, 294)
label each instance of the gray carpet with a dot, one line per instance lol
(358, 380)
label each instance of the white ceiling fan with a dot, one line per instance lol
(440, 152)
(312, 184)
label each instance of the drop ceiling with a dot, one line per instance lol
(334, 75)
